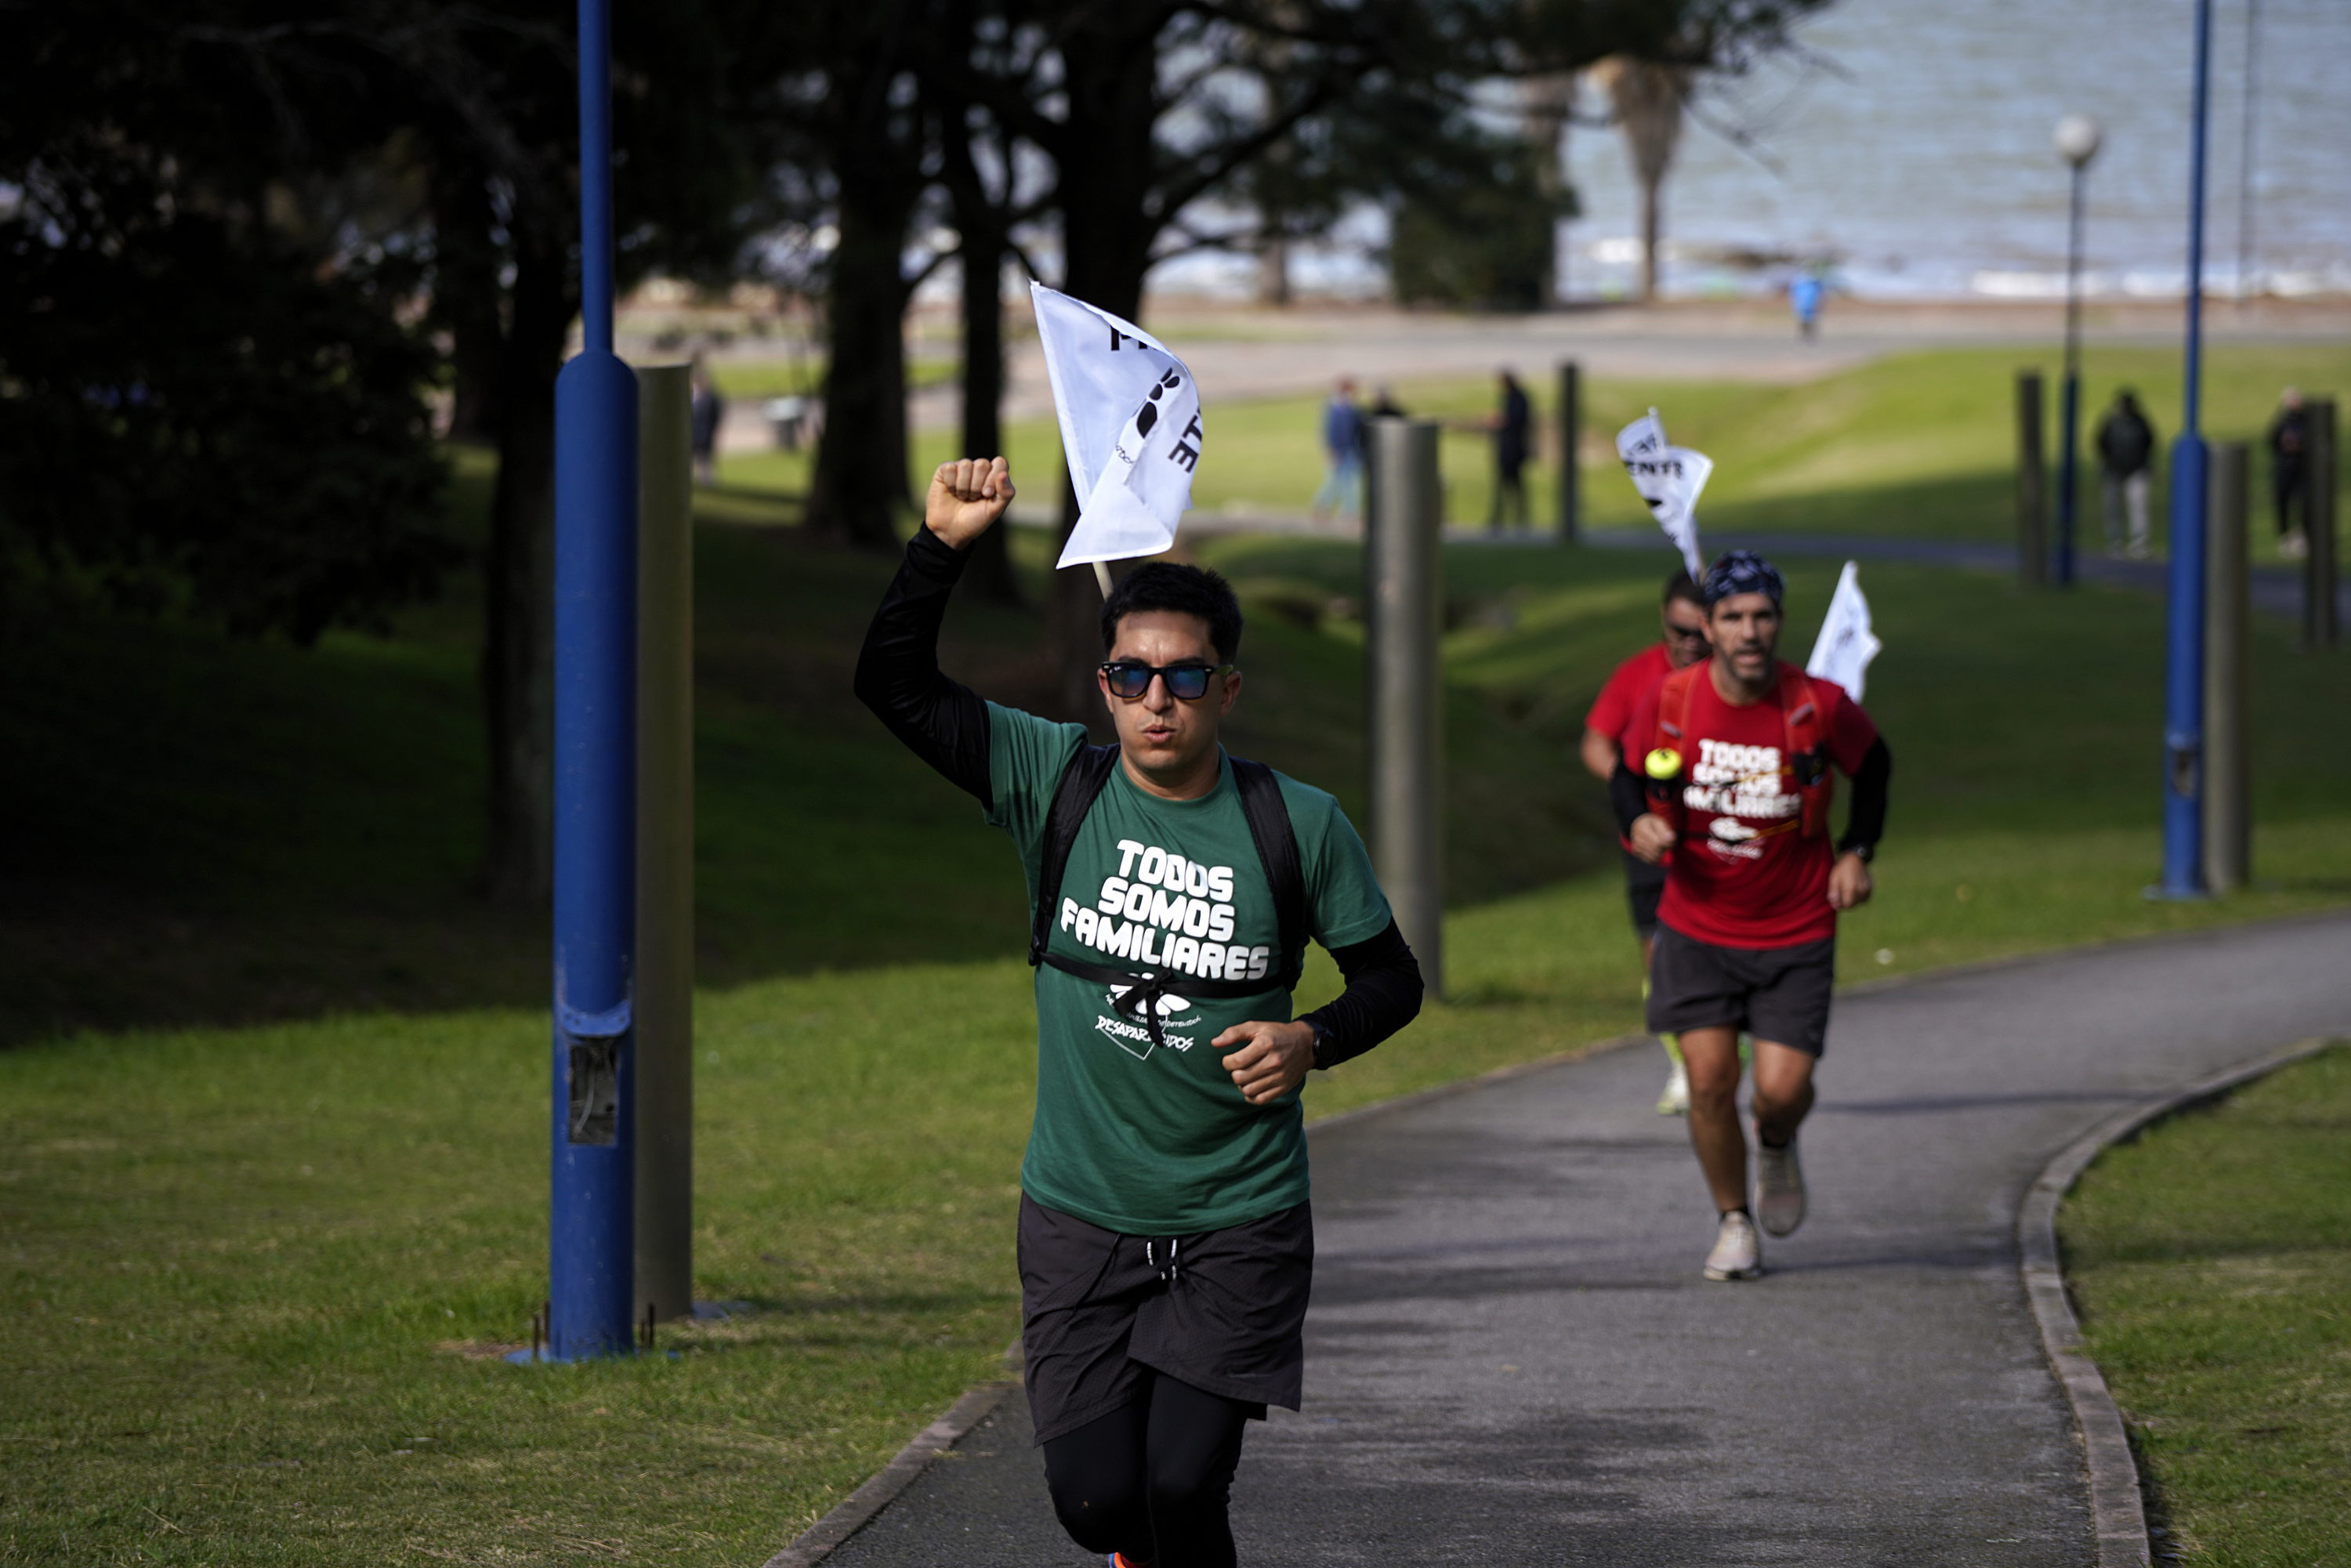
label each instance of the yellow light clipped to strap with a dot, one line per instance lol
(1663, 763)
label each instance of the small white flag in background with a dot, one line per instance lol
(1668, 479)
(1846, 646)
(1130, 428)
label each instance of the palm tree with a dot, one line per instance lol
(1649, 97)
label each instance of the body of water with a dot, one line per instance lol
(1913, 150)
(1908, 144)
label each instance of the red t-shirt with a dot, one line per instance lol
(1635, 681)
(1744, 876)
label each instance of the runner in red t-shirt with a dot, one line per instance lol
(1607, 739)
(1746, 929)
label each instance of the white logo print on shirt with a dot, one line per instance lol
(1739, 782)
(1162, 911)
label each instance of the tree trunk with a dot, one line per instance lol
(990, 571)
(1273, 267)
(860, 483)
(1106, 162)
(1648, 99)
(465, 298)
(1550, 107)
(1651, 223)
(518, 578)
(858, 487)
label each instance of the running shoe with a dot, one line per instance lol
(1736, 1254)
(1675, 1101)
(1779, 1187)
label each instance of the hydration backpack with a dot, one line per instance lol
(1805, 755)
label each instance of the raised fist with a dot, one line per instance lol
(966, 497)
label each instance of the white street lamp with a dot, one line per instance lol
(2076, 140)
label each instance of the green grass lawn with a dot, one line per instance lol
(2212, 1261)
(272, 1123)
(1919, 445)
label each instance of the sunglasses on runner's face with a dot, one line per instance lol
(1686, 634)
(1130, 678)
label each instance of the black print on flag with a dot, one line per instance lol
(1148, 414)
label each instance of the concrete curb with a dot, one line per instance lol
(2118, 1507)
(859, 1507)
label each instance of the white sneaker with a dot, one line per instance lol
(1736, 1254)
(1779, 1188)
(1675, 1101)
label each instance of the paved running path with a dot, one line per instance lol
(1512, 1357)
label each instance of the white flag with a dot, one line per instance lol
(1846, 646)
(1668, 479)
(1129, 427)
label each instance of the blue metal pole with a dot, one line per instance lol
(2183, 739)
(591, 1230)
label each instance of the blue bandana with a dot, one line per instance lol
(1741, 572)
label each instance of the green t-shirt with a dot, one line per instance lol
(1133, 1137)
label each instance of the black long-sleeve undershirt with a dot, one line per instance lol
(1865, 822)
(945, 723)
(942, 721)
(1383, 995)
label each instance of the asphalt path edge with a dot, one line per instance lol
(860, 1507)
(2117, 1501)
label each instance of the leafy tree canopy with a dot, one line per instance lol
(208, 400)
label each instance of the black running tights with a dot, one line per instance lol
(1151, 1478)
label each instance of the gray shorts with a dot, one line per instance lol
(1778, 994)
(1224, 1310)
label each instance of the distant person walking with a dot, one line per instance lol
(1514, 436)
(1609, 739)
(704, 413)
(2126, 461)
(1341, 494)
(1805, 294)
(2290, 473)
(1735, 785)
(1165, 1237)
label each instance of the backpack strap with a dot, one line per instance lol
(1277, 850)
(1806, 729)
(1673, 735)
(1673, 707)
(1081, 780)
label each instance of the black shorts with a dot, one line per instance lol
(1644, 885)
(1224, 1310)
(1773, 993)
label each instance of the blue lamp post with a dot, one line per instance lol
(2183, 715)
(2077, 144)
(591, 1231)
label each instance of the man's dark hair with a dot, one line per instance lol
(1680, 586)
(1188, 590)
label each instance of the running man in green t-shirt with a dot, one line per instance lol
(1166, 1240)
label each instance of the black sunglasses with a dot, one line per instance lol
(1130, 678)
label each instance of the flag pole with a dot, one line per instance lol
(1101, 578)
